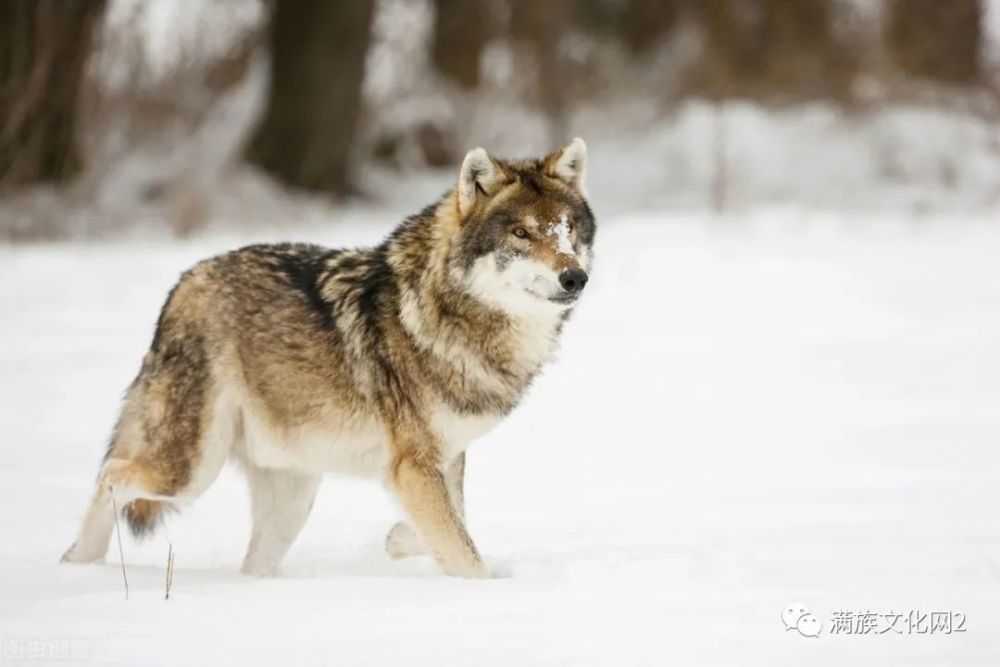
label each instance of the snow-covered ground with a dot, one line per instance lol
(745, 413)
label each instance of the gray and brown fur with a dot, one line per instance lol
(295, 360)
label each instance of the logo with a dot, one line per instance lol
(797, 616)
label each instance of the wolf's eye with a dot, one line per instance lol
(570, 226)
(521, 232)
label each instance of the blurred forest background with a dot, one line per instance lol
(172, 116)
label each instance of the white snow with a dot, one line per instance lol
(564, 246)
(793, 408)
(889, 160)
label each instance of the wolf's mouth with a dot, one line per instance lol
(564, 299)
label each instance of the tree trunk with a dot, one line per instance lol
(460, 32)
(774, 49)
(936, 40)
(44, 45)
(540, 24)
(317, 67)
(646, 22)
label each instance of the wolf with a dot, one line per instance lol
(294, 360)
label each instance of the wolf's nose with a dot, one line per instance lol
(573, 280)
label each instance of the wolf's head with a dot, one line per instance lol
(526, 232)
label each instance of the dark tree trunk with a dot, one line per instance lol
(937, 40)
(540, 23)
(44, 45)
(645, 22)
(779, 49)
(317, 66)
(460, 32)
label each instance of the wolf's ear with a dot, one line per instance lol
(569, 163)
(480, 176)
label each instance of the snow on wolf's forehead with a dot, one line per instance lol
(556, 230)
(564, 246)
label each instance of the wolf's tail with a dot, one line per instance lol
(144, 516)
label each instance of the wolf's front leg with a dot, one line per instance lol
(422, 490)
(402, 541)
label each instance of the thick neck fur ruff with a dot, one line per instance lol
(405, 294)
(493, 350)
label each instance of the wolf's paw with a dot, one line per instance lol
(255, 569)
(403, 542)
(467, 570)
(75, 554)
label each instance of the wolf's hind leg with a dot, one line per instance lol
(281, 501)
(402, 541)
(129, 480)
